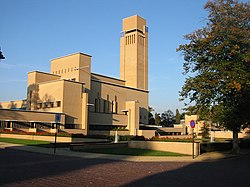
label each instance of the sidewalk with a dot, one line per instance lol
(67, 152)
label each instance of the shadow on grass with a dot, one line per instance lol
(23, 141)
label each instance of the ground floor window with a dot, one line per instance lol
(106, 127)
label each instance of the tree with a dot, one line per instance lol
(151, 120)
(32, 96)
(205, 130)
(177, 116)
(157, 119)
(167, 118)
(217, 62)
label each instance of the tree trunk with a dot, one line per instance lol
(236, 148)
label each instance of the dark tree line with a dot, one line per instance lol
(165, 119)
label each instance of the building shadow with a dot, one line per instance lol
(35, 169)
(18, 166)
(222, 172)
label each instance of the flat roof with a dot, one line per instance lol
(118, 85)
(44, 73)
(72, 55)
(105, 76)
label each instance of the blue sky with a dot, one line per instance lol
(32, 32)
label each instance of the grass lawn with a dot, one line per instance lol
(115, 151)
(24, 142)
(132, 152)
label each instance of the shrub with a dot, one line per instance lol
(62, 134)
(138, 138)
(167, 139)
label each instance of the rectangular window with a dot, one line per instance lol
(99, 105)
(114, 107)
(108, 103)
(58, 103)
(96, 105)
(51, 104)
(108, 107)
(104, 106)
(39, 105)
(46, 104)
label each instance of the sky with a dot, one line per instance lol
(33, 32)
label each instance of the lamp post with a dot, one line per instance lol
(57, 122)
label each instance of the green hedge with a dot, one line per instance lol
(167, 139)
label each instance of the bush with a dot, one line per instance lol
(167, 139)
(138, 138)
(61, 134)
(215, 146)
(125, 138)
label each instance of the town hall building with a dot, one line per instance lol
(71, 97)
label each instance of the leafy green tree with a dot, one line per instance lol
(217, 62)
(151, 120)
(182, 115)
(205, 130)
(167, 118)
(157, 119)
(177, 116)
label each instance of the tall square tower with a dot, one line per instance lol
(134, 52)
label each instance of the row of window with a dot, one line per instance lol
(49, 104)
(105, 106)
(64, 71)
(131, 39)
(106, 127)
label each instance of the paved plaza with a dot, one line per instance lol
(20, 167)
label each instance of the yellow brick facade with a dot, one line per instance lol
(89, 101)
